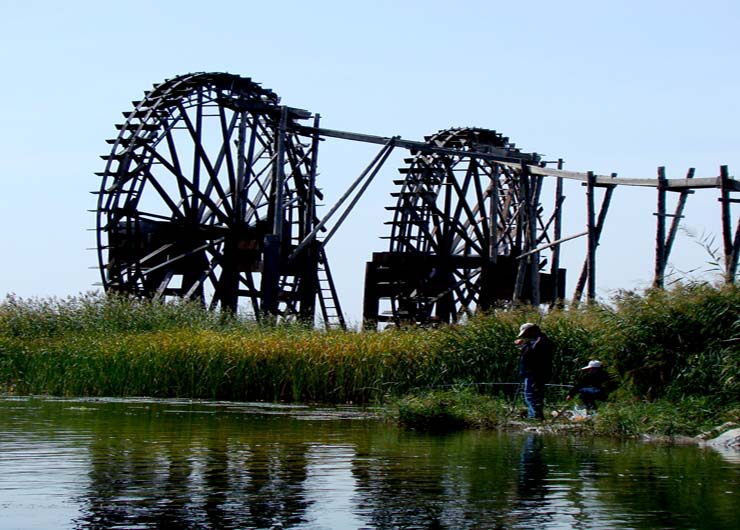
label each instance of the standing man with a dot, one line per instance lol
(535, 366)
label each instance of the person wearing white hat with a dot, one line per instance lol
(535, 366)
(592, 385)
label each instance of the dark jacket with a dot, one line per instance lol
(593, 378)
(535, 360)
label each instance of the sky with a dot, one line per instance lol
(612, 86)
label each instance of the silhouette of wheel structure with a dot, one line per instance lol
(205, 194)
(459, 224)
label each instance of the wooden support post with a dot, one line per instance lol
(241, 170)
(523, 238)
(730, 267)
(311, 206)
(660, 257)
(493, 214)
(557, 234)
(591, 291)
(663, 242)
(731, 243)
(279, 176)
(273, 242)
(593, 230)
(270, 278)
(308, 288)
(678, 214)
(371, 298)
(534, 263)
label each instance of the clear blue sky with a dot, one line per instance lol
(609, 86)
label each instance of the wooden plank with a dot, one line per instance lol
(493, 153)
(605, 180)
(504, 157)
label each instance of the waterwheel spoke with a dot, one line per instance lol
(186, 184)
(201, 160)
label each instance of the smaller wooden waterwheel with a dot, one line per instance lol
(460, 224)
(205, 195)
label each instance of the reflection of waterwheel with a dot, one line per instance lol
(459, 224)
(205, 193)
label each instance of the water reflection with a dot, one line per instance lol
(175, 464)
(531, 490)
(196, 472)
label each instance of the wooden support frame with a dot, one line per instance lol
(367, 175)
(229, 188)
(593, 231)
(663, 242)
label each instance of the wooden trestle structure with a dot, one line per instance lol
(209, 193)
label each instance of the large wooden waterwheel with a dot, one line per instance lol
(206, 193)
(461, 227)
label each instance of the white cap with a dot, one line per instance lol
(592, 364)
(524, 327)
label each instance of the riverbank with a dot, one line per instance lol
(674, 354)
(695, 420)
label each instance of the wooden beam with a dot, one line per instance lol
(557, 242)
(670, 184)
(504, 156)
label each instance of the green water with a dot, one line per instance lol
(179, 464)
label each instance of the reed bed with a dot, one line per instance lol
(658, 344)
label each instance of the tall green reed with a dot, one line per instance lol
(673, 343)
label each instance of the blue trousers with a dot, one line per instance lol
(534, 397)
(590, 395)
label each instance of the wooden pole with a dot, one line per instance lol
(523, 239)
(660, 259)
(273, 242)
(589, 265)
(732, 262)
(534, 264)
(493, 215)
(591, 292)
(726, 223)
(279, 176)
(557, 234)
(684, 194)
(308, 286)
(596, 231)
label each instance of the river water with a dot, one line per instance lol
(139, 464)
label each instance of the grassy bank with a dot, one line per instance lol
(443, 410)
(664, 347)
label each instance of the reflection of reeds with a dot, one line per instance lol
(674, 343)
